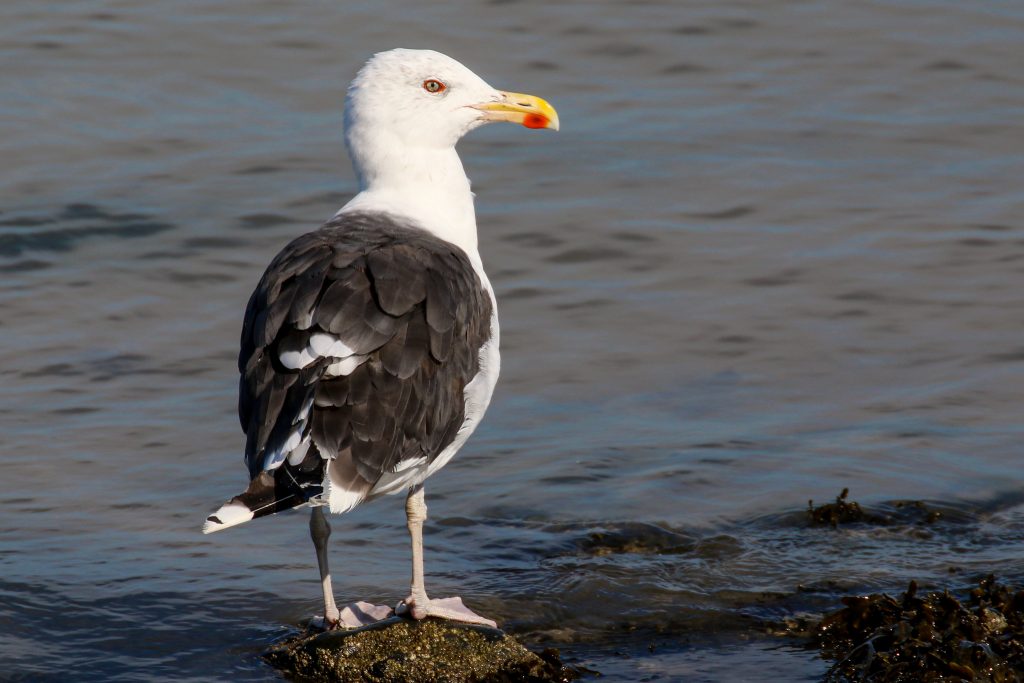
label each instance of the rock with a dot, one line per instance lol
(398, 650)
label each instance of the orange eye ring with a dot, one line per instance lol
(434, 86)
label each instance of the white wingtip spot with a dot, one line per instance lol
(327, 345)
(296, 360)
(345, 366)
(228, 515)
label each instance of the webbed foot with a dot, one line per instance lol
(443, 608)
(356, 615)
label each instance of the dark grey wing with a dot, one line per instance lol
(356, 348)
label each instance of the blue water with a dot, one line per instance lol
(775, 250)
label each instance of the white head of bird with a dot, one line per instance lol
(404, 113)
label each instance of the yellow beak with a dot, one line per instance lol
(528, 110)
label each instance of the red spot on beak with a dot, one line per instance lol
(536, 121)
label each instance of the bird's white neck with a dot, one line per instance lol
(424, 184)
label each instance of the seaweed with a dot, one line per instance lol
(929, 638)
(834, 513)
(845, 511)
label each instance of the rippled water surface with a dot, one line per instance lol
(776, 250)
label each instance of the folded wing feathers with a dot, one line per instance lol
(359, 340)
(399, 278)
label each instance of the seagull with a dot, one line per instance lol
(369, 349)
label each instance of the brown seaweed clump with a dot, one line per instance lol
(845, 511)
(402, 651)
(927, 639)
(834, 513)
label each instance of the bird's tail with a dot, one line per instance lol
(266, 495)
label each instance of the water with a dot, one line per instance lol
(775, 250)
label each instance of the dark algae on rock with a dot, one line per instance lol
(401, 651)
(929, 638)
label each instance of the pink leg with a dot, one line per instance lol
(418, 605)
(320, 531)
(352, 616)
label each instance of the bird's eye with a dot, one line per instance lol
(432, 85)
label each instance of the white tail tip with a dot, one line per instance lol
(228, 515)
